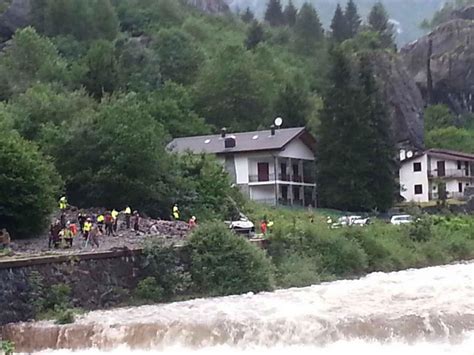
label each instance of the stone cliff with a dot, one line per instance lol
(403, 97)
(448, 76)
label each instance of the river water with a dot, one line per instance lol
(425, 311)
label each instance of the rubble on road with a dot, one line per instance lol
(170, 231)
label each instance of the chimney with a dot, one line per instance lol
(272, 129)
(223, 132)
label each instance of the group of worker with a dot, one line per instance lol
(266, 226)
(91, 227)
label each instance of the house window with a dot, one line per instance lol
(459, 165)
(416, 166)
(418, 189)
(460, 187)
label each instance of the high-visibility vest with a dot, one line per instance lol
(128, 210)
(114, 214)
(63, 203)
(100, 218)
(87, 226)
(175, 212)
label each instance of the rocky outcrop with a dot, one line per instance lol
(17, 15)
(404, 98)
(451, 62)
(210, 6)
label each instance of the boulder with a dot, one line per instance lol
(451, 62)
(210, 6)
(17, 15)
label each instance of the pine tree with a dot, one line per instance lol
(255, 35)
(290, 14)
(352, 19)
(379, 22)
(339, 25)
(379, 145)
(248, 16)
(308, 29)
(292, 104)
(274, 13)
(342, 169)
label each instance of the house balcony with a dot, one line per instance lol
(449, 173)
(282, 178)
(433, 196)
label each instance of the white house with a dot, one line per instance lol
(273, 166)
(424, 174)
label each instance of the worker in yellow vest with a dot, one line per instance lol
(100, 222)
(63, 203)
(176, 212)
(115, 214)
(87, 228)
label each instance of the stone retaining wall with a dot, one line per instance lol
(97, 280)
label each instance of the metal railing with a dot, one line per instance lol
(449, 195)
(449, 173)
(260, 178)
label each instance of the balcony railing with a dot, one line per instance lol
(282, 177)
(449, 195)
(449, 173)
(262, 178)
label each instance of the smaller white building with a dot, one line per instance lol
(274, 166)
(425, 175)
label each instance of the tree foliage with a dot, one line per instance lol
(274, 14)
(308, 29)
(248, 15)
(290, 14)
(29, 186)
(339, 26)
(255, 35)
(353, 20)
(224, 264)
(379, 22)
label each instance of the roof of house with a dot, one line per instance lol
(245, 141)
(450, 154)
(443, 154)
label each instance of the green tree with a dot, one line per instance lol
(138, 67)
(101, 76)
(248, 15)
(342, 168)
(274, 14)
(255, 35)
(439, 116)
(378, 145)
(223, 264)
(308, 29)
(43, 106)
(339, 25)
(379, 22)
(290, 14)
(28, 59)
(231, 91)
(29, 187)
(353, 20)
(115, 158)
(203, 188)
(106, 22)
(172, 106)
(179, 58)
(453, 138)
(293, 104)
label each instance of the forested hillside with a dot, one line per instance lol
(407, 14)
(94, 90)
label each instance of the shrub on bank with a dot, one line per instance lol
(223, 263)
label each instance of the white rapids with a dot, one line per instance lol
(424, 311)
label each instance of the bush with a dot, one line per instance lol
(57, 296)
(29, 186)
(64, 315)
(298, 271)
(148, 289)
(7, 347)
(165, 264)
(223, 263)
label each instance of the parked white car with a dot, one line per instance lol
(401, 219)
(350, 221)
